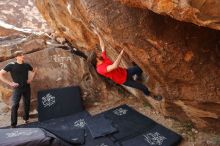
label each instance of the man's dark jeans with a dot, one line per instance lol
(17, 93)
(132, 83)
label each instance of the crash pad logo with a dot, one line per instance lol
(17, 133)
(154, 138)
(75, 139)
(48, 100)
(80, 123)
(120, 111)
(102, 144)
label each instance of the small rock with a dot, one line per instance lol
(58, 79)
(209, 142)
(85, 93)
(140, 109)
(5, 109)
(192, 129)
(96, 103)
(60, 40)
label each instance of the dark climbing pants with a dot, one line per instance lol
(16, 97)
(132, 83)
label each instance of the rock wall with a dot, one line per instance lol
(21, 15)
(57, 68)
(22, 28)
(180, 59)
(19, 23)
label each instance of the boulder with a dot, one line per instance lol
(22, 28)
(58, 68)
(20, 41)
(180, 59)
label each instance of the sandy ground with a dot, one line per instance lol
(191, 136)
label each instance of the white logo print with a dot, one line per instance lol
(74, 139)
(102, 144)
(48, 100)
(17, 133)
(154, 138)
(120, 111)
(80, 123)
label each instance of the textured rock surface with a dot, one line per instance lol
(181, 59)
(20, 22)
(21, 15)
(59, 68)
(29, 43)
(200, 12)
(20, 26)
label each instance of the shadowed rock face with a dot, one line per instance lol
(181, 59)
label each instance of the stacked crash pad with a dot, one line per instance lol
(61, 113)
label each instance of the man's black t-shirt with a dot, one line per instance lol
(19, 72)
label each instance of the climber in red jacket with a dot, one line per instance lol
(119, 75)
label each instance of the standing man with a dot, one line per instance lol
(22, 75)
(107, 68)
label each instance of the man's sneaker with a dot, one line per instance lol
(157, 97)
(26, 121)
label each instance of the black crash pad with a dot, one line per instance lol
(128, 122)
(76, 121)
(131, 124)
(72, 136)
(157, 136)
(27, 137)
(101, 141)
(70, 128)
(59, 102)
(99, 126)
